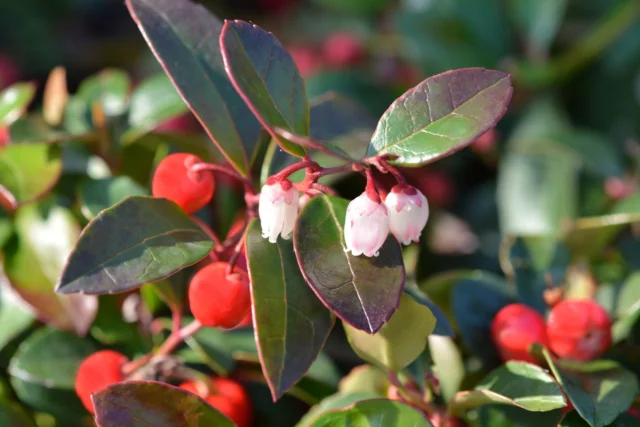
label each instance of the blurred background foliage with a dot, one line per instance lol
(563, 162)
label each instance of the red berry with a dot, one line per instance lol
(634, 412)
(180, 124)
(579, 330)
(228, 396)
(514, 329)
(97, 372)
(173, 180)
(343, 49)
(306, 59)
(618, 188)
(4, 136)
(217, 299)
(485, 142)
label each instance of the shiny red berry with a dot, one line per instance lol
(514, 329)
(343, 49)
(97, 372)
(218, 300)
(227, 396)
(579, 330)
(174, 180)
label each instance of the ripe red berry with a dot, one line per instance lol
(97, 372)
(579, 330)
(217, 299)
(306, 59)
(343, 49)
(514, 329)
(485, 142)
(4, 136)
(228, 396)
(174, 181)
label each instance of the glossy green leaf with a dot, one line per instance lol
(373, 413)
(573, 419)
(335, 401)
(15, 317)
(516, 383)
(538, 21)
(220, 349)
(155, 239)
(108, 88)
(600, 391)
(14, 415)
(362, 291)
(441, 115)
(443, 327)
(589, 236)
(536, 193)
(33, 262)
(153, 102)
(291, 324)
(154, 404)
(6, 228)
(267, 78)
(475, 302)
(14, 101)
(395, 345)
(28, 171)
(43, 372)
(513, 416)
(184, 40)
(448, 365)
(99, 194)
(365, 379)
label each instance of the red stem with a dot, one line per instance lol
(308, 143)
(198, 167)
(284, 173)
(371, 190)
(384, 167)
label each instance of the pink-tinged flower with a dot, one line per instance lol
(408, 213)
(278, 209)
(366, 226)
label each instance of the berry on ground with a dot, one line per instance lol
(97, 372)
(514, 329)
(174, 181)
(218, 300)
(579, 330)
(227, 396)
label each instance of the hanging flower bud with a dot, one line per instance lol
(408, 213)
(278, 209)
(366, 226)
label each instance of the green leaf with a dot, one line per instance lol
(33, 262)
(362, 291)
(153, 102)
(97, 195)
(513, 416)
(395, 345)
(538, 21)
(14, 101)
(536, 193)
(155, 239)
(573, 419)
(373, 413)
(600, 391)
(43, 372)
(291, 324)
(519, 384)
(441, 115)
(448, 365)
(108, 88)
(185, 41)
(15, 318)
(267, 78)
(28, 171)
(475, 302)
(155, 404)
(14, 415)
(335, 401)
(443, 327)
(220, 349)
(365, 379)
(6, 228)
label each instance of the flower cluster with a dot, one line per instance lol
(368, 222)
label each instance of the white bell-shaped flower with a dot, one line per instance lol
(366, 226)
(278, 209)
(408, 213)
